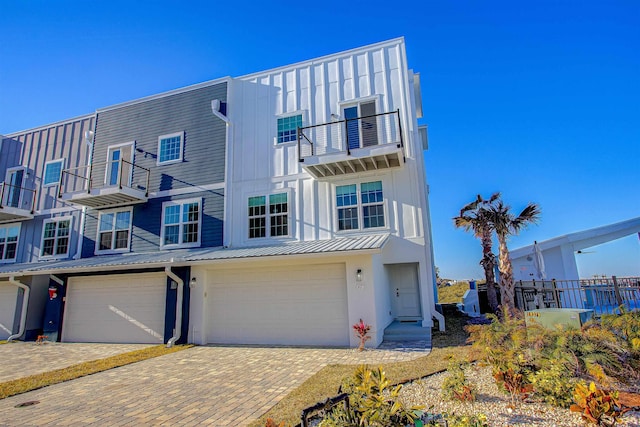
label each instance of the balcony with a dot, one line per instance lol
(16, 203)
(105, 185)
(352, 146)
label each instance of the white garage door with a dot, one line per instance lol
(8, 297)
(300, 305)
(119, 308)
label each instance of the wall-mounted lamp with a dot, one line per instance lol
(193, 282)
(359, 275)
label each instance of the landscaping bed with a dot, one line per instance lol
(493, 403)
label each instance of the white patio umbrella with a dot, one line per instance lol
(538, 261)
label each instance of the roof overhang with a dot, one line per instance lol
(584, 239)
(361, 244)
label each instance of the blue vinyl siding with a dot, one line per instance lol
(143, 122)
(147, 222)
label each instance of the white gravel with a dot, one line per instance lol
(493, 403)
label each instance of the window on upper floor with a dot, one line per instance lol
(55, 237)
(9, 235)
(170, 148)
(181, 223)
(275, 223)
(288, 128)
(52, 171)
(114, 231)
(361, 206)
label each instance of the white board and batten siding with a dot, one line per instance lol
(119, 308)
(8, 299)
(294, 305)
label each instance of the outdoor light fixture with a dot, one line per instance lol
(193, 282)
(359, 275)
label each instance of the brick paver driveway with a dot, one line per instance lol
(219, 386)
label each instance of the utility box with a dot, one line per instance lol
(550, 317)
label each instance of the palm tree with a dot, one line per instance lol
(506, 224)
(474, 217)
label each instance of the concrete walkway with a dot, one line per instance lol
(216, 385)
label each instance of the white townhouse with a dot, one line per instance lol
(327, 205)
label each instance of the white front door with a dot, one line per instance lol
(403, 283)
(119, 168)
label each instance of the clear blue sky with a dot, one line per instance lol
(537, 99)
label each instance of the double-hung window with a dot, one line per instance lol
(114, 231)
(55, 238)
(181, 223)
(257, 217)
(273, 222)
(9, 242)
(288, 128)
(360, 206)
(170, 148)
(52, 171)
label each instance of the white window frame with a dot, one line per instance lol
(180, 224)
(4, 248)
(302, 113)
(357, 102)
(44, 172)
(115, 211)
(267, 224)
(107, 170)
(171, 135)
(360, 206)
(56, 237)
(8, 189)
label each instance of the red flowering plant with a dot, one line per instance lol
(362, 332)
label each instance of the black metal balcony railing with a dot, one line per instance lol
(17, 197)
(119, 174)
(348, 135)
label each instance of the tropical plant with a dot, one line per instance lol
(626, 325)
(361, 330)
(373, 402)
(456, 386)
(506, 224)
(474, 217)
(597, 406)
(553, 384)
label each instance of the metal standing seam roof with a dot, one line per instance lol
(366, 242)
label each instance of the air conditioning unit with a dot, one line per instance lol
(551, 317)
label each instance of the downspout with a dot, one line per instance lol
(178, 325)
(83, 214)
(228, 165)
(25, 304)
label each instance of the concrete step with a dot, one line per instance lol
(407, 331)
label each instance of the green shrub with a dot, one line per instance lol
(552, 385)
(372, 402)
(626, 325)
(504, 344)
(456, 386)
(476, 420)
